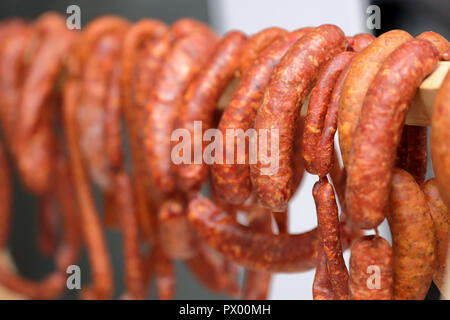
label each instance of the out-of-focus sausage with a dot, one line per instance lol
(441, 220)
(256, 44)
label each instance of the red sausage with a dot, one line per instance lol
(200, 102)
(289, 86)
(232, 180)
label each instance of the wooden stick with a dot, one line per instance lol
(422, 106)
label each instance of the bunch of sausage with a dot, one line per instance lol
(71, 102)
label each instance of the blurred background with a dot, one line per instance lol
(249, 16)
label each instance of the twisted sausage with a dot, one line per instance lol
(328, 225)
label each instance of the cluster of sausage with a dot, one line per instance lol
(71, 102)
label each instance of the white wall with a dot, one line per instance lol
(253, 15)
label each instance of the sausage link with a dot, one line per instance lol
(128, 222)
(297, 159)
(184, 60)
(383, 114)
(282, 253)
(200, 102)
(359, 42)
(371, 269)
(440, 137)
(5, 197)
(257, 283)
(14, 44)
(322, 289)
(214, 272)
(232, 181)
(245, 246)
(112, 142)
(282, 221)
(326, 155)
(360, 76)
(110, 216)
(318, 106)
(47, 224)
(68, 207)
(92, 112)
(289, 86)
(50, 44)
(442, 45)
(412, 153)
(165, 275)
(144, 47)
(92, 232)
(328, 225)
(174, 231)
(52, 285)
(413, 238)
(441, 220)
(187, 26)
(256, 44)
